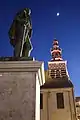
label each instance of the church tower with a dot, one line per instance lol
(57, 96)
(57, 67)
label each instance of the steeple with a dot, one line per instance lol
(56, 52)
(57, 91)
(57, 66)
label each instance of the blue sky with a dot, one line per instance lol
(47, 26)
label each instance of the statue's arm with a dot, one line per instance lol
(11, 33)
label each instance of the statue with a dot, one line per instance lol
(20, 34)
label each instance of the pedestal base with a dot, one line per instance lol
(19, 81)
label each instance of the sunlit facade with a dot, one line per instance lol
(57, 94)
(77, 102)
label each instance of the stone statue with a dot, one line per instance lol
(20, 33)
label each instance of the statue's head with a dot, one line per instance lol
(24, 12)
(27, 11)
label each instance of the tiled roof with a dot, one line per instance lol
(57, 83)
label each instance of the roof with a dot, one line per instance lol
(63, 82)
(77, 99)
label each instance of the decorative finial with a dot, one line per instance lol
(56, 52)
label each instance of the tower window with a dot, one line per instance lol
(41, 101)
(60, 100)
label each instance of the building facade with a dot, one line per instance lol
(77, 102)
(57, 95)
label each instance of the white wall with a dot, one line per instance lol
(50, 111)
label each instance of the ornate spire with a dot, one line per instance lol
(57, 66)
(56, 52)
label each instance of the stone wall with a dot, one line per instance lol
(20, 89)
(17, 95)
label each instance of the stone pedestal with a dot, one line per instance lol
(20, 89)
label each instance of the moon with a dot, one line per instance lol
(58, 14)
